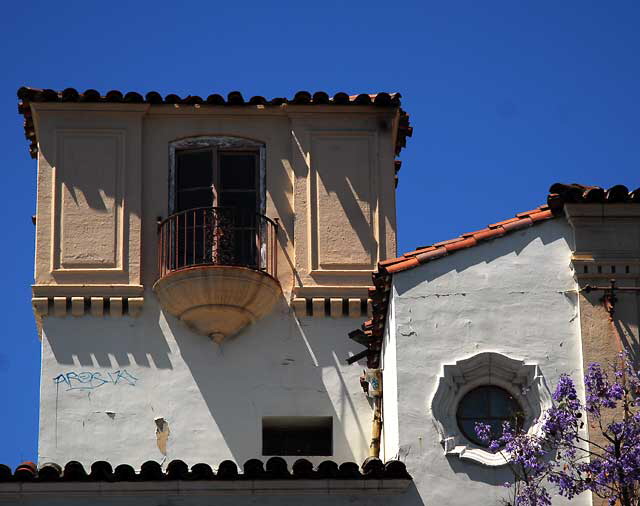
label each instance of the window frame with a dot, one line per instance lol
(518, 413)
(218, 144)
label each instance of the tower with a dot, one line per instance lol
(198, 266)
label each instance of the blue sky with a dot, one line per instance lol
(505, 98)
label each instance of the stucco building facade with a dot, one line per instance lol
(200, 264)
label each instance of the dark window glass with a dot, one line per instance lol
(226, 180)
(241, 200)
(238, 171)
(195, 169)
(297, 435)
(190, 199)
(491, 405)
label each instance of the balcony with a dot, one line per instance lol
(217, 269)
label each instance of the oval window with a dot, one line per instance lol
(491, 405)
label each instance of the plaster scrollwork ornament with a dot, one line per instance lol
(524, 381)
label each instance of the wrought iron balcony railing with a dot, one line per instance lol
(217, 236)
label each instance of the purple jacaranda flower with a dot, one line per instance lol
(557, 454)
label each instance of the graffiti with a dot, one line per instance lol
(93, 380)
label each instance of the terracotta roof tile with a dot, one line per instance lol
(448, 241)
(531, 211)
(577, 193)
(504, 222)
(489, 233)
(403, 266)
(519, 224)
(27, 95)
(274, 468)
(419, 250)
(391, 261)
(559, 194)
(542, 215)
(431, 254)
(468, 240)
(465, 243)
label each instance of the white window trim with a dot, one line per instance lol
(524, 381)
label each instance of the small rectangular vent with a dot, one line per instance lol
(297, 435)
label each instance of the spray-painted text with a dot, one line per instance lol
(92, 380)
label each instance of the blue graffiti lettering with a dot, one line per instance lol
(91, 380)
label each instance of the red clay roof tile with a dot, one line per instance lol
(542, 215)
(465, 243)
(273, 468)
(431, 254)
(559, 194)
(28, 95)
(518, 225)
(403, 266)
(427, 253)
(418, 250)
(448, 241)
(489, 233)
(389, 261)
(505, 222)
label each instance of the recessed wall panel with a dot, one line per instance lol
(88, 188)
(343, 179)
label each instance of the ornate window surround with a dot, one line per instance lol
(221, 142)
(524, 381)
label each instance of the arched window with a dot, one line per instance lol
(216, 171)
(216, 203)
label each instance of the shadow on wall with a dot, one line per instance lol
(92, 158)
(121, 342)
(342, 184)
(496, 476)
(629, 338)
(276, 368)
(486, 253)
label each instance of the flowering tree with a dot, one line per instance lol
(607, 462)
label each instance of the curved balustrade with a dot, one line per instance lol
(217, 236)
(217, 269)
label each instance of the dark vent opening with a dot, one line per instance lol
(297, 435)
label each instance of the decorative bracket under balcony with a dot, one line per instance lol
(217, 269)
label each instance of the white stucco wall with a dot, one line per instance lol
(390, 437)
(515, 295)
(212, 397)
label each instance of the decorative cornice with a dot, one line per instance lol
(28, 95)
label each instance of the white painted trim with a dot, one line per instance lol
(524, 381)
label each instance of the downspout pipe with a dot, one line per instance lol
(376, 429)
(371, 382)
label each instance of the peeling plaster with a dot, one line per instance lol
(162, 434)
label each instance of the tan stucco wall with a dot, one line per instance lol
(103, 172)
(607, 247)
